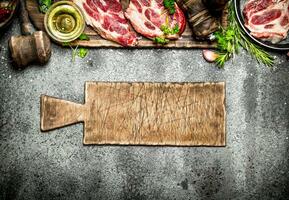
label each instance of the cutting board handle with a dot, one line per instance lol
(57, 113)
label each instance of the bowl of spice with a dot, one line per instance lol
(7, 12)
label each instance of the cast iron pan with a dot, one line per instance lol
(282, 46)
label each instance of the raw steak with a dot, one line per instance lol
(107, 18)
(267, 19)
(147, 17)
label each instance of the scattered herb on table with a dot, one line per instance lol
(170, 6)
(74, 53)
(167, 31)
(161, 40)
(44, 5)
(229, 41)
(66, 44)
(82, 52)
(83, 36)
(170, 31)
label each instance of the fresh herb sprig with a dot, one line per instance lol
(170, 31)
(232, 38)
(83, 36)
(161, 40)
(80, 52)
(44, 5)
(167, 31)
(170, 6)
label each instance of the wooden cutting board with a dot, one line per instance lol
(179, 114)
(186, 41)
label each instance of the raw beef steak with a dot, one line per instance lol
(147, 17)
(107, 18)
(267, 19)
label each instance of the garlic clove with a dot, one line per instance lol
(210, 56)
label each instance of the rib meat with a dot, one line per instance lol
(267, 19)
(107, 18)
(147, 17)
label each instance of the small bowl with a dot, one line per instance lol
(64, 21)
(8, 21)
(282, 46)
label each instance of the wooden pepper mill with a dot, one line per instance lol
(215, 6)
(200, 19)
(31, 47)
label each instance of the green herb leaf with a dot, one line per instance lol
(168, 31)
(165, 29)
(176, 29)
(161, 40)
(66, 44)
(83, 36)
(170, 6)
(44, 5)
(82, 52)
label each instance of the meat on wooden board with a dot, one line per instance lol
(107, 18)
(267, 19)
(147, 17)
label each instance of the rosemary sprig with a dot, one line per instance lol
(230, 39)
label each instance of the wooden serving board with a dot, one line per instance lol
(186, 41)
(180, 114)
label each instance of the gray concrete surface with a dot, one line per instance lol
(56, 165)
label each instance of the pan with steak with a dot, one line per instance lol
(107, 18)
(149, 16)
(267, 20)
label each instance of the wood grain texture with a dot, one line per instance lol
(35, 15)
(179, 114)
(186, 41)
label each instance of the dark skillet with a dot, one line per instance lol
(282, 46)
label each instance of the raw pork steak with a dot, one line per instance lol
(107, 18)
(147, 17)
(267, 19)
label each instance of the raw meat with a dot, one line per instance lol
(147, 17)
(267, 19)
(107, 18)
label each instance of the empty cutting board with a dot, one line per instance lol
(179, 114)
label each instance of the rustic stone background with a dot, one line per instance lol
(56, 165)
